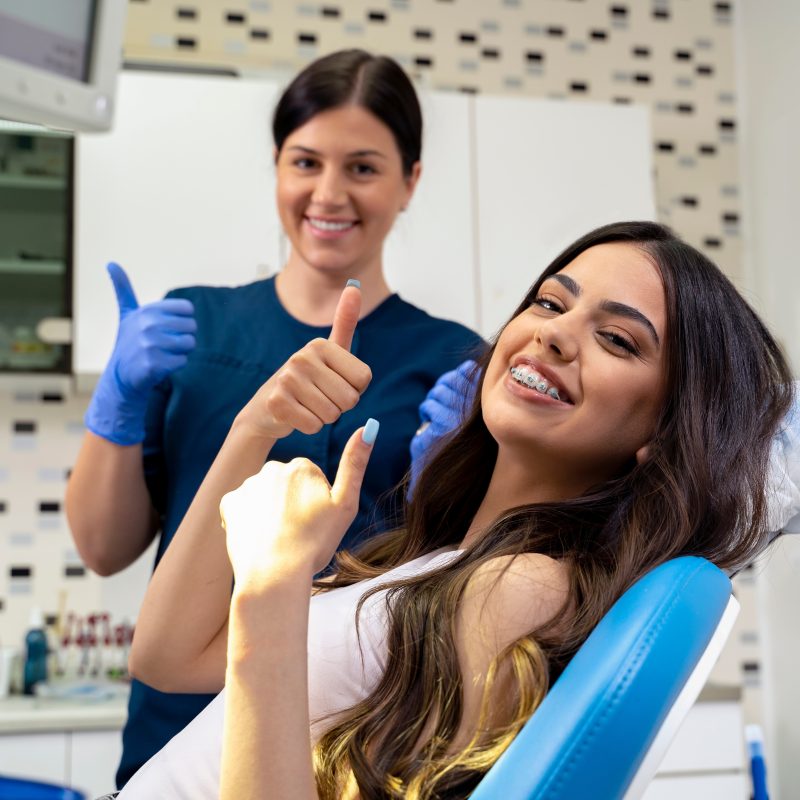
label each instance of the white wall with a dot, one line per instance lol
(769, 66)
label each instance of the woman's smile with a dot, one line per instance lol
(534, 377)
(330, 228)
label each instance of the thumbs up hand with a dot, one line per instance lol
(153, 341)
(288, 517)
(317, 384)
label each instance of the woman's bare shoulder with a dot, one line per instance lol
(513, 595)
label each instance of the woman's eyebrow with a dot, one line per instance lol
(622, 310)
(611, 306)
(355, 154)
(567, 283)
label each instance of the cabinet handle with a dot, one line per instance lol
(55, 330)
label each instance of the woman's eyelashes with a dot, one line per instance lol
(305, 163)
(548, 304)
(620, 342)
(359, 169)
(364, 170)
(614, 340)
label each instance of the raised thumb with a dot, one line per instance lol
(352, 466)
(345, 318)
(126, 297)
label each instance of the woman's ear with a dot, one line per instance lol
(643, 453)
(274, 155)
(411, 183)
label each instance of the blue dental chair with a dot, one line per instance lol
(20, 789)
(603, 729)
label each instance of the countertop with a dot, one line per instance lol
(29, 714)
(26, 714)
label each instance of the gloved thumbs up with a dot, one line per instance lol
(153, 341)
(126, 297)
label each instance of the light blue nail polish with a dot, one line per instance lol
(353, 282)
(370, 432)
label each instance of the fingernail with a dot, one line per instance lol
(370, 432)
(353, 282)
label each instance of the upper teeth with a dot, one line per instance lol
(534, 380)
(329, 225)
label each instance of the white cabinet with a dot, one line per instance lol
(70, 743)
(706, 760)
(94, 759)
(699, 787)
(182, 192)
(35, 756)
(546, 172)
(431, 254)
(85, 760)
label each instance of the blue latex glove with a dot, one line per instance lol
(441, 411)
(783, 481)
(152, 341)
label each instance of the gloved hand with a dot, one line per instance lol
(783, 480)
(441, 411)
(152, 341)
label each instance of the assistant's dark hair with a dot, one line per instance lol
(376, 83)
(700, 492)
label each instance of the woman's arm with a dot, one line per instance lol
(181, 633)
(266, 748)
(266, 731)
(179, 644)
(108, 507)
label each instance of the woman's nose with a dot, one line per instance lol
(329, 188)
(556, 336)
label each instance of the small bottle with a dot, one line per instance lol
(35, 670)
(758, 769)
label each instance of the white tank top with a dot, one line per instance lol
(340, 674)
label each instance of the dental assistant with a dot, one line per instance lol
(347, 134)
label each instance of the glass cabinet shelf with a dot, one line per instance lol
(32, 266)
(35, 247)
(9, 181)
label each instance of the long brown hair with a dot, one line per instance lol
(700, 492)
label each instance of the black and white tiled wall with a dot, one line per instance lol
(677, 56)
(42, 425)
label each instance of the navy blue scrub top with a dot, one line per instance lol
(244, 336)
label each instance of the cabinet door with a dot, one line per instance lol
(430, 255)
(36, 757)
(94, 761)
(180, 192)
(722, 786)
(711, 738)
(547, 172)
(35, 221)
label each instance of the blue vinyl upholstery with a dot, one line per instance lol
(19, 789)
(593, 729)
